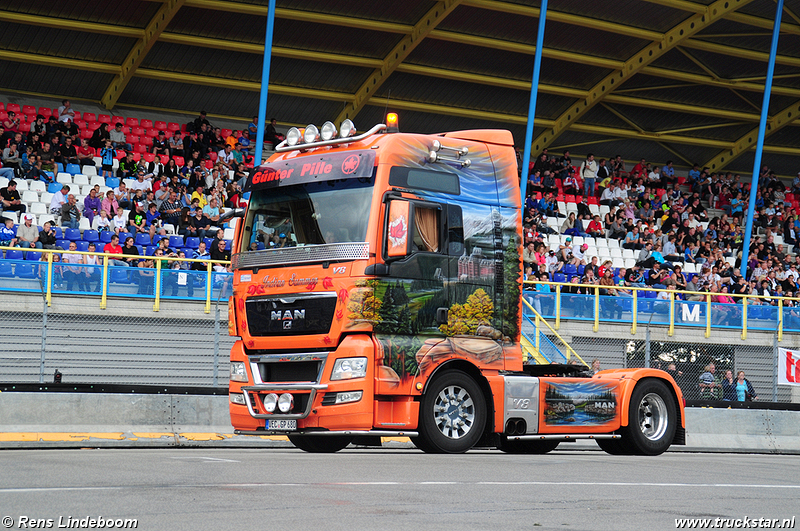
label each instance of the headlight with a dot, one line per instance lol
(285, 403)
(270, 402)
(238, 372)
(328, 131)
(311, 134)
(293, 136)
(347, 128)
(348, 368)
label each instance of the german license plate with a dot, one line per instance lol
(281, 424)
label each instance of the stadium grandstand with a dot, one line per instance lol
(660, 97)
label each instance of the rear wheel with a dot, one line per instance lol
(613, 446)
(511, 446)
(320, 444)
(652, 419)
(452, 414)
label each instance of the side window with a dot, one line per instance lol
(426, 229)
(455, 231)
(413, 227)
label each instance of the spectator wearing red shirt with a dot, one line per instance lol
(114, 249)
(86, 154)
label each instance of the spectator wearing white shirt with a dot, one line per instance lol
(58, 200)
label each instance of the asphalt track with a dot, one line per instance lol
(395, 488)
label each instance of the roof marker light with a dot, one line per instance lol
(392, 123)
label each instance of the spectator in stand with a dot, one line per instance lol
(117, 137)
(8, 236)
(67, 154)
(70, 213)
(633, 239)
(176, 145)
(73, 273)
(47, 236)
(609, 196)
(10, 128)
(13, 159)
(69, 130)
(244, 140)
(143, 182)
(271, 134)
(137, 219)
(588, 173)
(200, 121)
(86, 154)
(28, 234)
(45, 155)
(10, 199)
(99, 136)
(92, 205)
(65, 112)
(211, 210)
(225, 157)
(171, 209)
(218, 252)
(744, 389)
(129, 253)
(160, 144)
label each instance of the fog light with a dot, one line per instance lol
(311, 134)
(270, 402)
(350, 396)
(285, 403)
(237, 398)
(347, 128)
(328, 131)
(293, 136)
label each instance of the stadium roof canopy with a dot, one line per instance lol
(660, 79)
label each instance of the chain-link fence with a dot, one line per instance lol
(703, 370)
(126, 343)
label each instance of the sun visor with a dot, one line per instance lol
(301, 170)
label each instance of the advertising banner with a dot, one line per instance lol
(788, 367)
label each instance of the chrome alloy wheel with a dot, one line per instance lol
(653, 416)
(454, 412)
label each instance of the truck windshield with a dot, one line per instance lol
(309, 214)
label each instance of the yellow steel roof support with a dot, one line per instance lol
(635, 64)
(135, 57)
(407, 44)
(746, 142)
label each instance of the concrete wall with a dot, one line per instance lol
(42, 420)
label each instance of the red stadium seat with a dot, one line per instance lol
(161, 126)
(76, 116)
(137, 131)
(55, 113)
(132, 139)
(2, 106)
(164, 159)
(179, 161)
(209, 164)
(183, 128)
(29, 117)
(24, 127)
(86, 133)
(569, 199)
(152, 133)
(148, 157)
(46, 112)
(28, 109)
(137, 157)
(172, 126)
(119, 154)
(13, 107)
(147, 124)
(104, 119)
(92, 125)
(3, 115)
(132, 122)
(118, 119)
(225, 133)
(81, 124)
(140, 148)
(90, 117)
(213, 156)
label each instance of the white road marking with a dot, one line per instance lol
(410, 483)
(204, 458)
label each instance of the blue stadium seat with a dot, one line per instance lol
(72, 234)
(64, 244)
(59, 168)
(192, 242)
(228, 245)
(27, 271)
(105, 236)
(559, 277)
(570, 270)
(33, 256)
(73, 169)
(83, 246)
(90, 236)
(151, 249)
(124, 236)
(59, 234)
(13, 254)
(140, 248)
(112, 182)
(208, 243)
(6, 270)
(581, 269)
(260, 246)
(143, 238)
(176, 241)
(119, 275)
(54, 187)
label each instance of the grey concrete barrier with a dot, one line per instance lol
(42, 420)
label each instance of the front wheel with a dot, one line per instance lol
(452, 414)
(320, 444)
(652, 419)
(512, 446)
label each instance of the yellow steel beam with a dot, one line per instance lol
(394, 58)
(740, 53)
(688, 77)
(635, 64)
(775, 123)
(60, 62)
(140, 50)
(72, 25)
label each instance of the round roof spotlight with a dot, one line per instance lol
(347, 128)
(311, 134)
(293, 136)
(328, 131)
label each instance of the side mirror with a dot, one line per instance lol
(232, 213)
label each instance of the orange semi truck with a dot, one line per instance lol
(377, 292)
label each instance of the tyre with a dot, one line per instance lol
(511, 446)
(452, 414)
(652, 419)
(613, 446)
(320, 444)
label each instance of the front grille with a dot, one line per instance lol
(300, 403)
(290, 371)
(290, 315)
(329, 399)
